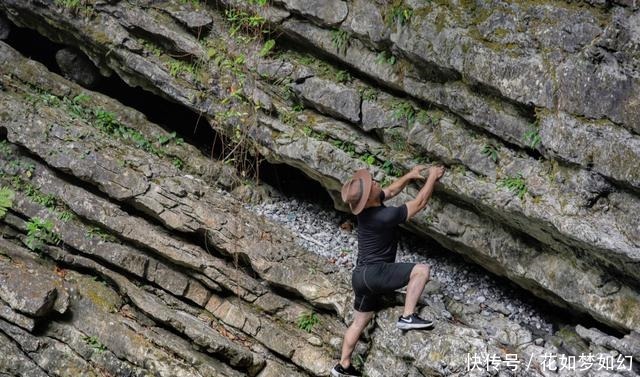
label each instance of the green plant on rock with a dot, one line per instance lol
(166, 139)
(6, 200)
(398, 13)
(390, 169)
(343, 76)
(39, 233)
(267, 47)
(423, 117)
(307, 321)
(76, 5)
(307, 60)
(233, 64)
(386, 181)
(346, 146)
(49, 99)
(385, 57)
(245, 22)
(65, 215)
(431, 117)
(288, 117)
(51, 202)
(106, 122)
(151, 47)
(397, 140)
(177, 67)
(340, 40)
(5, 149)
(491, 151)
(69, 3)
(515, 184)
(532, 137)
(404, 111)
(436, 117)
(369, 159)
(95, 343)
(97, 232)
(178, 163)
(77, 106)
(40, 95)
(37, 196)
(369, 94)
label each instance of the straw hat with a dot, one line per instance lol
(357, 190)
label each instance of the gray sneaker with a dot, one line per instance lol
(413, 322)
(339, 371)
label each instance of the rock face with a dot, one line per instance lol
(77, 67)
(537, 120)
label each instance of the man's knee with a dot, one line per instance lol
(361, 319)
(421, 271)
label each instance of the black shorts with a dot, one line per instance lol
(371, 282)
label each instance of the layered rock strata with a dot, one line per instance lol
(506, 102)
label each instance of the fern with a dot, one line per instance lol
(399, 14)
(340, 39)
(490, 151)
(307, 321)
(532, 137)
(386, 57)
(404, 110)
(515, 184)
(95, 343)
(39, 233)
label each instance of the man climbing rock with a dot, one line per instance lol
(376, 272)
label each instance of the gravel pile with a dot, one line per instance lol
(320, 230)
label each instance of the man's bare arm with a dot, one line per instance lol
(398, 185)
(416, 205)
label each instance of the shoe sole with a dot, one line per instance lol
(338, 374)
(414, 326)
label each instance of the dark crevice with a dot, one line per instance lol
(34, 46)
(527, 111)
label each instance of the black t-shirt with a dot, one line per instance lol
(377, 238)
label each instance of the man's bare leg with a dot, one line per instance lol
(360, 321)
(417, 280)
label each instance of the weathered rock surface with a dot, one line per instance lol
(77, 67)
(503, 100)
